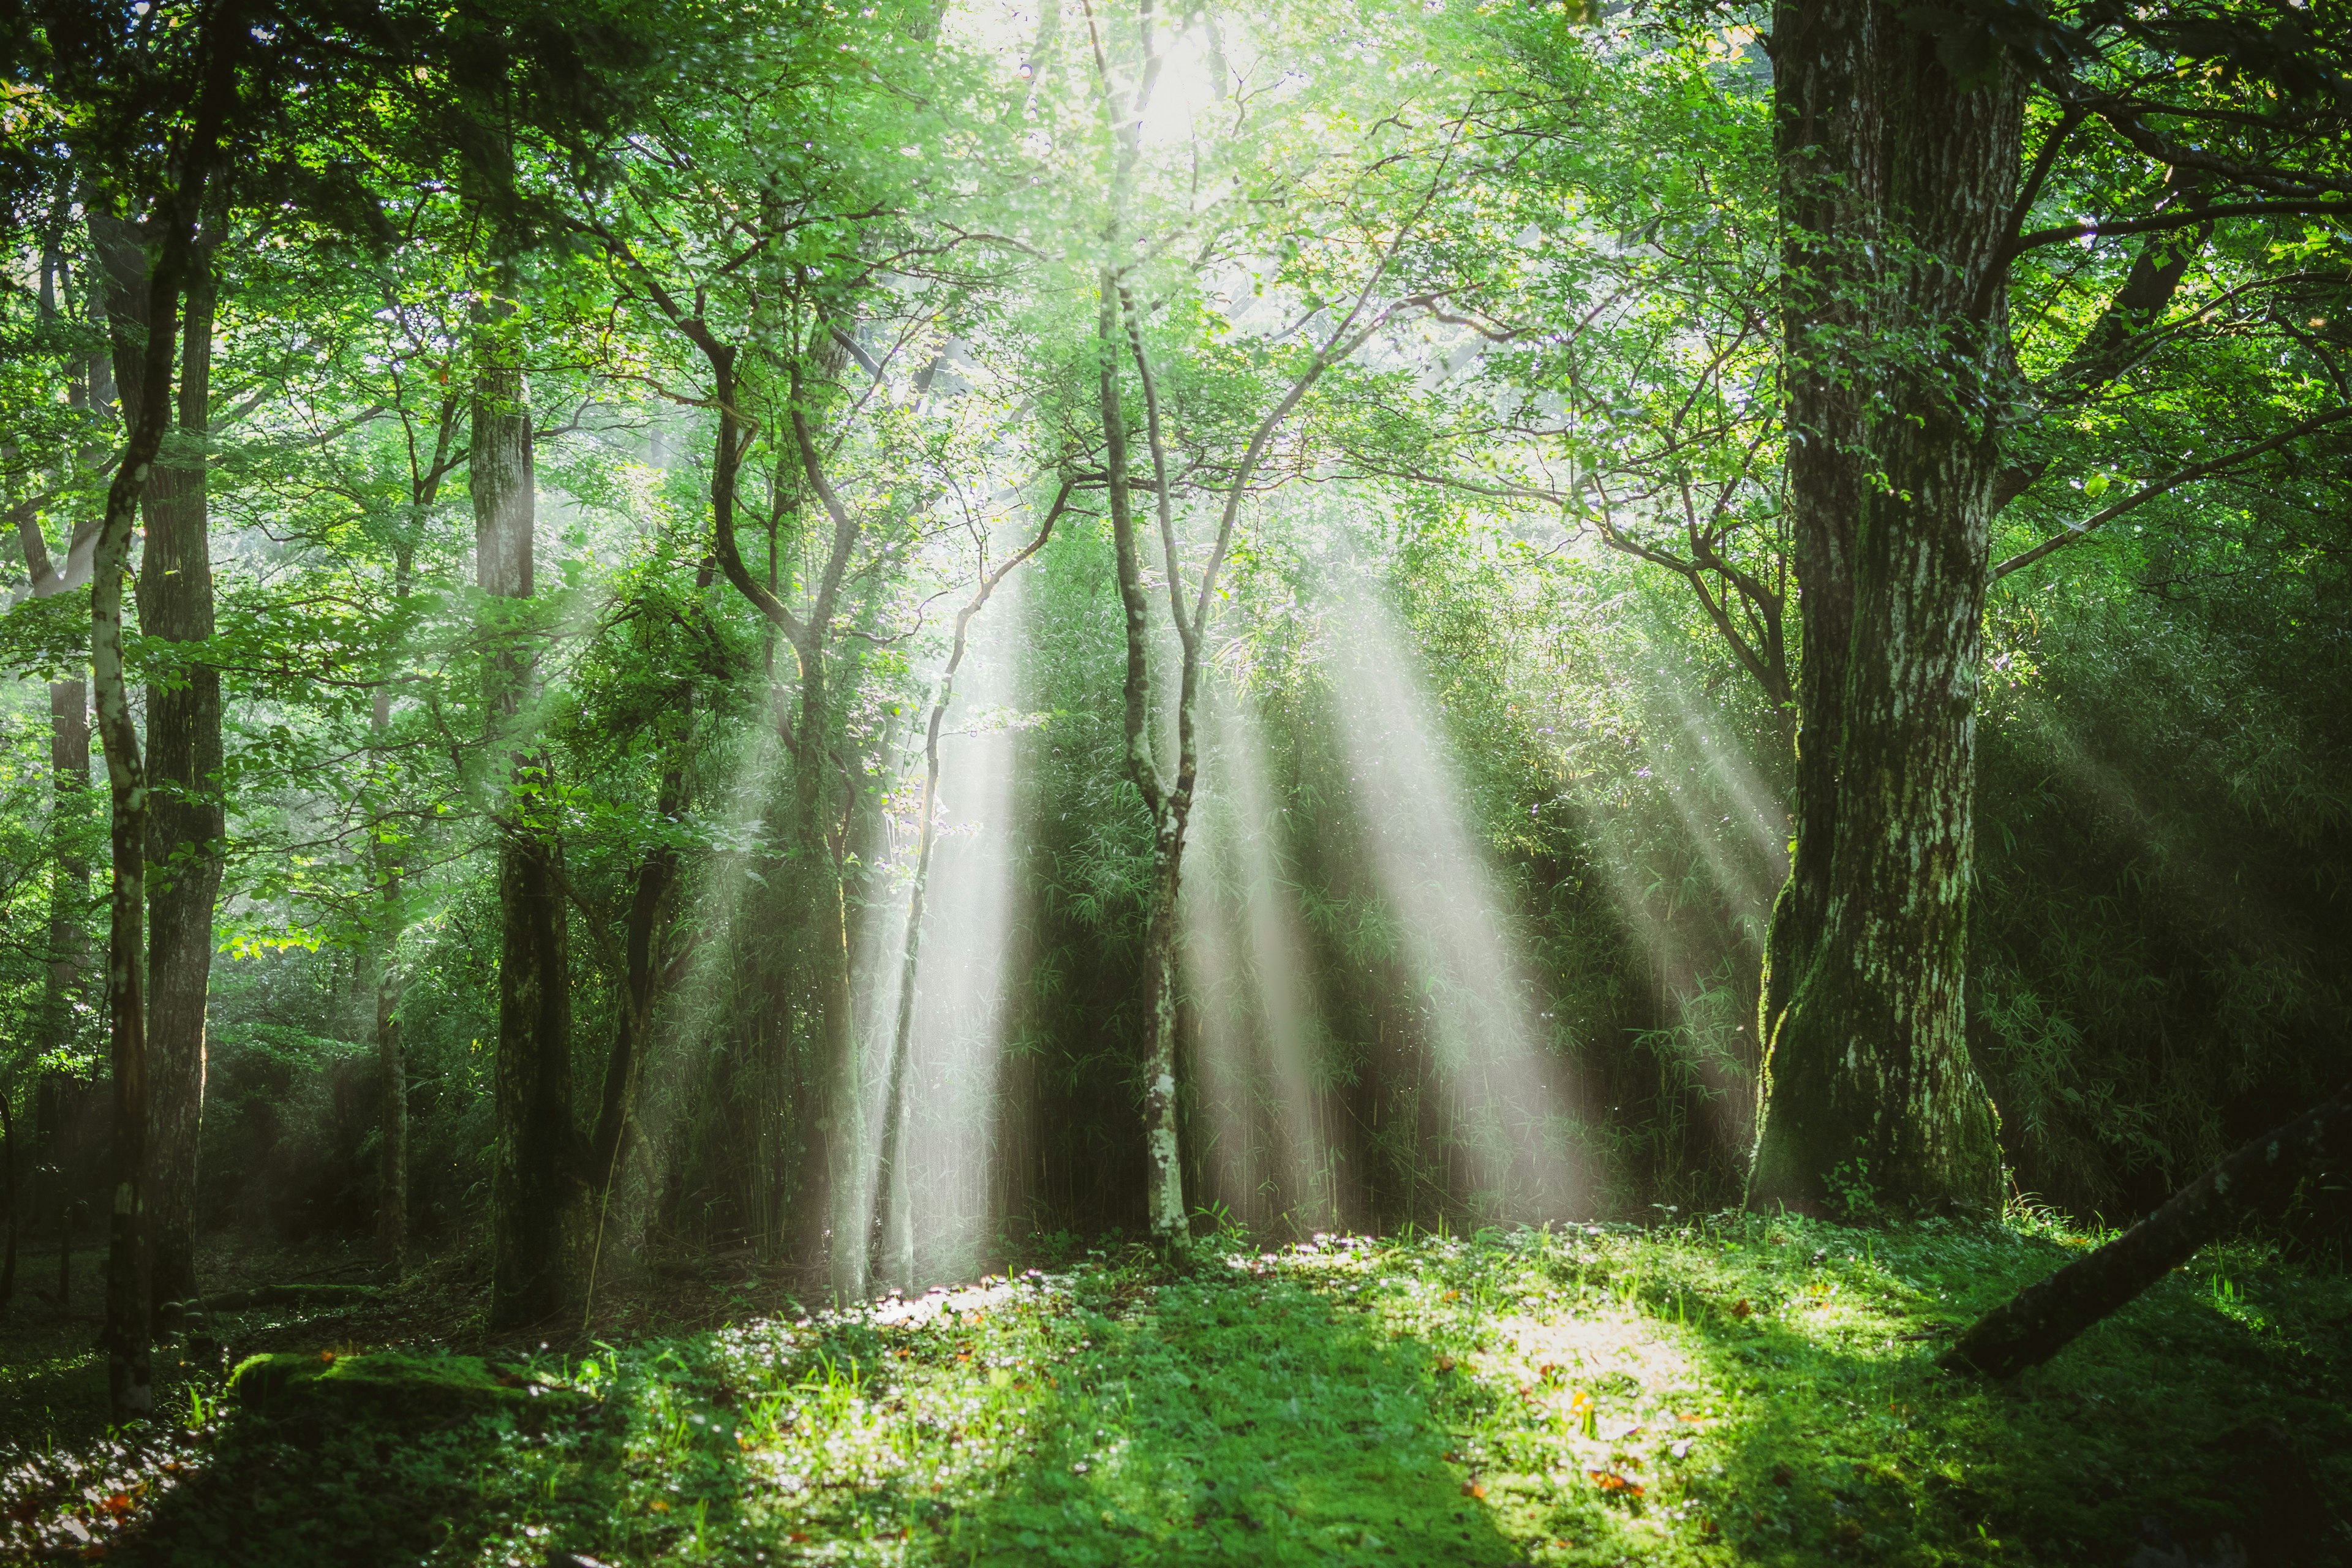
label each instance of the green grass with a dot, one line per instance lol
(1741, 1392)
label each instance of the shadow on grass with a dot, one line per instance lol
(1250, 1421)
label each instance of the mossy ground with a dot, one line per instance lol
(1737, 1392)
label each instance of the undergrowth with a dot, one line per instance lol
(1730, 1390)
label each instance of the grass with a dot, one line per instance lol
(1735, 1390)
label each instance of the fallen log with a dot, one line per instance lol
(2046, 1316)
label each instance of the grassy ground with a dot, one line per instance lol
(1737, 1392)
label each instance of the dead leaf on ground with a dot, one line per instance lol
(1611, 1481)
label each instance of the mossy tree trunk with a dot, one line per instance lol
(1896, 181)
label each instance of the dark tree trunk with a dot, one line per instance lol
(147, 410)
(1897, 183)
(535, 1195)
(186, 820)
(2258, 1180)
(8, 1197)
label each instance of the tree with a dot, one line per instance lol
(194, 150)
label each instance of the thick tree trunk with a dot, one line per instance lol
(535, 1190)
(1898, 182)
(187, 820)
(2258, 1180)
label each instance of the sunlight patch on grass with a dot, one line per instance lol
(1734, 1390)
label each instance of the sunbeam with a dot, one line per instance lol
(1269, 1160)
(1504, 1086)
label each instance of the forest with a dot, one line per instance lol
(1087, 782)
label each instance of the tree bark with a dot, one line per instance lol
(187, 820)
(8, 1197)
(535, 1190)
(127, 1335)
(2048, 1315)
(1897, 183)
(1168, 801)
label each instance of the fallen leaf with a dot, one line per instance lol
(1741, 1309)
(1445, 1363)
(1611, 1481)
(1451, 1296)
(1474, 1488)
(118, 1504)
(796, 1537)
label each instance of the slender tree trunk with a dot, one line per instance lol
(392, 1064)
(535, 1196)
(826, 954)
(392, 1061)
(1897, 183)
(188, 820)
(897, 1260)
(1166, 801)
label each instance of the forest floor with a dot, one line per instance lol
(1732, 1391)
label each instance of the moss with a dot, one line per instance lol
(389, 1383)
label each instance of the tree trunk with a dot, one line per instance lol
(70, 887)
(392, 1063)
(535, 1190)
(897, 1245)
(826, 952)
(186, 820)
(9, 1196)
(1166, 800)
(1163, 1170)
(1897, 183)
(147, 407)
(2046, 1316)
